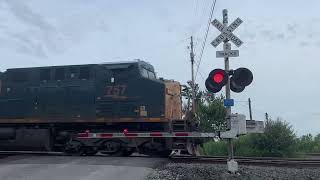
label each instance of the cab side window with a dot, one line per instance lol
(151, 75)
(148, 74)
(120, 75)
(84, 73)
(60, 74)
(45, 74)
(73, 72)
(19, 76)
(144, 73)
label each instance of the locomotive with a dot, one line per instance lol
(45, 108)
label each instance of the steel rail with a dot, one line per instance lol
(263, 161)
(260, 161)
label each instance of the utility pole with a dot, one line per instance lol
(226, 46)
(192, 77)
(267, 116)
(250, 111)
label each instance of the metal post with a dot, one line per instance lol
(267, 116)
(192, 78)
(228, 96)
(250, 111)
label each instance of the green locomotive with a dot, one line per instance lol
(44, 108)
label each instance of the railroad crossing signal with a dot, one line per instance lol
(226, 32)
(240, 78)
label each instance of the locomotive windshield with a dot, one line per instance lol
(148, 73)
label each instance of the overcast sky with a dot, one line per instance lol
(281, 44)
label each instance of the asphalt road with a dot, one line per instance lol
(27, 167)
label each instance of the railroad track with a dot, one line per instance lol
(312, 155)
(263, 161)
(44, 153)
(4, 154)
(267, 161)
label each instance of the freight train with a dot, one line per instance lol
(45, 109)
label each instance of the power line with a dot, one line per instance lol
(206, 35)
(182, 40)
(200, 73)
(196, 8)
(197, 25)
(258, 112)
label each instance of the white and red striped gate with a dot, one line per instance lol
(89, 135)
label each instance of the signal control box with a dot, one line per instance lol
(240, 126)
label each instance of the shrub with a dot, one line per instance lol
(218, 148)
(278, 140)
(308, 144)
(211, 114)
(244, 147)
(317, 138)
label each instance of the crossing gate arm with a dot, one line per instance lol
(88, 135)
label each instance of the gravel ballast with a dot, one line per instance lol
(195, 171)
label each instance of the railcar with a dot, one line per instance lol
(45, 108)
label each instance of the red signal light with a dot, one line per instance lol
(218, 77)
(216, 80)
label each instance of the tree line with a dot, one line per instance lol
(279, 138)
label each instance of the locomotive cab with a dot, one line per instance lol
(130, 90)
(132, 93)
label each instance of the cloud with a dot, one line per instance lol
(280, 36)
(304, 43)
(29, 32)
(26, 15)
(248, 35)
(272, 31)
(27, 45)
(292, 28)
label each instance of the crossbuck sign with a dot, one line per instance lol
(226, 32)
